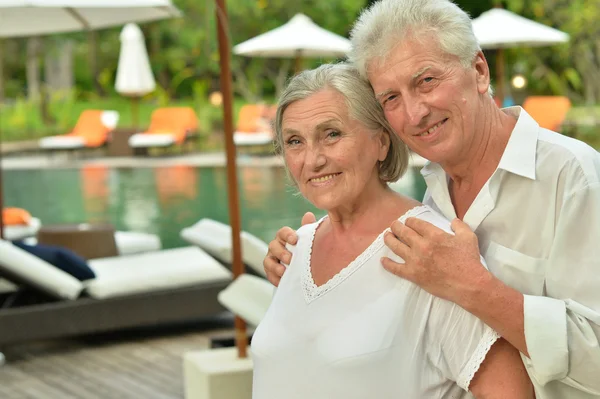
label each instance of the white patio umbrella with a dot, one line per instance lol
(499, 29)
(298, 38)
(134, 74)
(22, 18)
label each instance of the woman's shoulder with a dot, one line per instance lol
(305, 236)
(428, 214)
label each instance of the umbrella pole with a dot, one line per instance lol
(1, 190)
(135, 111)
(241, 338)
(298, 62)
(500, 75)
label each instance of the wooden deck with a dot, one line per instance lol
(140, 364)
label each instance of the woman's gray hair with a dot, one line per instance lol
(386, 23)
(361, 103)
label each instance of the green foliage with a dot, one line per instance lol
(184, 57)
(573, 68)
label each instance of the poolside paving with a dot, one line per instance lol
(214, 159)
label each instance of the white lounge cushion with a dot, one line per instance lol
(153, 271)
(258, 138)
(62, 142)
(129, 242)
(143, 140)
(19, 232)
(110, 119)
(6, 286)
(248, 297)
(215, 238)
(16, 262)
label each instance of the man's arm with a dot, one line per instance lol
(558, 333)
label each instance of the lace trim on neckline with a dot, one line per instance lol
(312, 291)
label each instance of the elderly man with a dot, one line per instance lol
(526, 197)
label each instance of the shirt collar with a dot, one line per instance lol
(520, 152)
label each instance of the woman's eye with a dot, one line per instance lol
(390, 98)
(293, 142)
(333, 133)
(428, 79)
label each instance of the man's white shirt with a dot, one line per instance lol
(538, 224)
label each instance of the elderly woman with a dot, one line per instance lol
(340, 326)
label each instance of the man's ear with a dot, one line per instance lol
(482, 72)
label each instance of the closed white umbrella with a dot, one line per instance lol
(20, 18)
(134, 74)
(499, 29)
(300, 37)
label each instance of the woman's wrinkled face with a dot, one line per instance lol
(331, 156)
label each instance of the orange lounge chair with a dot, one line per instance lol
(91, 131)
(548, 111)
(168, 126)
(254, 125)
(18, 224)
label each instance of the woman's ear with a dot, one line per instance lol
(384, 148)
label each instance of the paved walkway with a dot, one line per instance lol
(217, 159)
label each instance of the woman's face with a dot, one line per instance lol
(331, 156)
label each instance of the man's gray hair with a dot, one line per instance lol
(361, 103)
(386, 23)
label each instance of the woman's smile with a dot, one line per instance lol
(322, 180)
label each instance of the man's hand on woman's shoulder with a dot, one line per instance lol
(278, 254)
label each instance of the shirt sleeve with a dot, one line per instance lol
(562, 329)
(457, 341)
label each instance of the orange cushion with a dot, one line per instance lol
(15, 216)
(177, 121)
(249, 118)
(548, 111)
(90, 127)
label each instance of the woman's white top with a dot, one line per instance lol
(365, 333)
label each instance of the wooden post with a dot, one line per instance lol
(298, 62)
(135, 111)
(241, 339)
(1, 191)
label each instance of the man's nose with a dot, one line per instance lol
(416, 110)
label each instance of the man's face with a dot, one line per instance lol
(430, 99)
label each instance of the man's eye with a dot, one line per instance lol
(390, 98)
(428, 79)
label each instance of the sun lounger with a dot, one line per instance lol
(548, 111)
(131, 242)
(91, 131)
(19, 224)
(215, 238)
(254, 126)
(168, 126)
(170, 286)
(248, 297)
